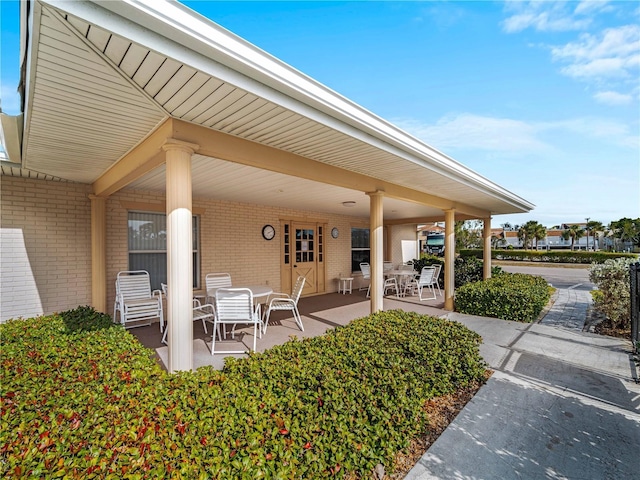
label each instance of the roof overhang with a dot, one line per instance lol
(107, 82)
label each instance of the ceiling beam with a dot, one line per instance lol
(140, 160)
(234, 149)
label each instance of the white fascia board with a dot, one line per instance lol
(174, 30)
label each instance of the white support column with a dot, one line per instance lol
(179, 254)
(98, 253)
(449, 258)
(486, 252)
(376, 237)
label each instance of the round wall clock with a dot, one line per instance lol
(334, 232)
(268, 232)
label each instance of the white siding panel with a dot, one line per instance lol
(133, 59)
(167, 70)
(227, 110)
(250, 114)
(81, 26)
(198, 96)
(98, 38)
(116, 49)
(193, 85)
(208, 102)
(149, 67)
(181, 77)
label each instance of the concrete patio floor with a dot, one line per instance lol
(319, 313)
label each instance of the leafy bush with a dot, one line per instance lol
(614, 297)
(94, 404)
(551, 256)
(85, 318)
(509, 296)
(471, 269)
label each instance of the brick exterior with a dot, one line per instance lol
(52, 271)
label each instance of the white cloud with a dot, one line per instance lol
(545, 17)
(613, 53)
(476, 132)
(469, 131)
(613, 98)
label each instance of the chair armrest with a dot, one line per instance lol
(277, 295)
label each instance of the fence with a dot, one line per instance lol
(635, 305)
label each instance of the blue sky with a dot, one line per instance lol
(542, 98)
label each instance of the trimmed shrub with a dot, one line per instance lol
(613, 297)
(509, 296)
(471, 269)
(85, 318)
(551, 256)
(94, 404)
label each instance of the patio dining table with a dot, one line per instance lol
(401, 276)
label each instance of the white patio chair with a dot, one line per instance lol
(235, 306)
(365, 268)
(135, 301)
(386, 266)
(391, 283)
(426, 281)
(436, 278)
(214, 281)
(205, 313)
(285, 302)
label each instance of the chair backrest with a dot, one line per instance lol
(436, 275)
(132, 284)
(407, 268)
(234, 305)
(297, 289)
(217, 280)
(427, 275)
(386, 266)
(365, 268)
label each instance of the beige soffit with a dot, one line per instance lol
(159, 59)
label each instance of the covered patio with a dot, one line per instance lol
(319, 313)
(148, 108)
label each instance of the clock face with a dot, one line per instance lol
(334, 232)
(268, 232)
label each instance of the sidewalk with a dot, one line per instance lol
(562, 403)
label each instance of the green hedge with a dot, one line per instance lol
(94, 404)
(509, 296)
(552, 256)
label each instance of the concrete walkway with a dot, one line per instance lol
(562, 403)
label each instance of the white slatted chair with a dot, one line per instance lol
(436, 278)
(391, 283)
(426, 282)
(205, 313)
(213, 281)
(365, 268)
(235, 306)
(135, 301)
(285, 302)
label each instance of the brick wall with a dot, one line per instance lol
(46, 243)
(45, 246)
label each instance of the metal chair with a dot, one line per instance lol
(285, 302)
(214, 281)
(365, 268)
(205, 313)
(135, 301)
(426, 281)
(235, 306)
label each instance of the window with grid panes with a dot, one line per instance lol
(147, 233)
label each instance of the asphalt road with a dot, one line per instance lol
(573, 277)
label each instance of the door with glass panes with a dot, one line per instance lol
(303, 255)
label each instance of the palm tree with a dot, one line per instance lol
(527, 233)
(539, 233)
(576, 232)
(595, 228)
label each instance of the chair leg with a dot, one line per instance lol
(265, 320)
(296, 315)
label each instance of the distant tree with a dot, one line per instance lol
(575, 232)
(468, 234)
(594, 228)
(528, 232)
(539, 233)
(626, 230)
(507, 226)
